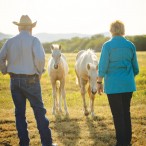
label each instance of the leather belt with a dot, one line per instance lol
(12, 75)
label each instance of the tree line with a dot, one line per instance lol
(94, 42)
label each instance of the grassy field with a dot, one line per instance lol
(75, 130)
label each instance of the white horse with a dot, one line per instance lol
(58, 70)
(86, 70)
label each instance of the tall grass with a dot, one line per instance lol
(75, 130)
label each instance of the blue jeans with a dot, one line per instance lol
(23, 88)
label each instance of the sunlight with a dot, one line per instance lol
(74, 16)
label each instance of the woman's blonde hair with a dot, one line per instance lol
(117, 28)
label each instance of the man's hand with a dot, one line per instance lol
(4, 72)
(40, 77)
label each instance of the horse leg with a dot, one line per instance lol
(54, 97)
(60, 100)
(77, 79)
(91, 96)
(62, 85)
(57, 102)
(89, 91)
(83, 91)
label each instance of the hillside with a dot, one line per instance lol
(73, 42)
(4, 36)
(46, 37)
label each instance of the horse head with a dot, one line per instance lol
(92, 75)
(56, 54)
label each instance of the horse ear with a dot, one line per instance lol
(51, 47)
(88, 66)
(59, 47)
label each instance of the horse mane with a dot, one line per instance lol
(85, 58)
(91, 53)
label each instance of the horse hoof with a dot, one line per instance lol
(67, 114)
(86, 113)
(60, 110)
(53, 112)
(92, 115)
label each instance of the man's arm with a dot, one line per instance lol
(3, 57)
(39, 56)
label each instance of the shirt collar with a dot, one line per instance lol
(117, 37)
(24, 32)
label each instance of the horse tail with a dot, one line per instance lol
(57, 84)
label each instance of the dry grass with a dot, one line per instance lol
(75, 130)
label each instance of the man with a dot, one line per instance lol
(23, 58)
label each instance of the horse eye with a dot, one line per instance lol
(60, 55)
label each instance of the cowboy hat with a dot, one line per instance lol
(25, 21)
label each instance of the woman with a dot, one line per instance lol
(118, 66)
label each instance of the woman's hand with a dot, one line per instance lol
(99, 88)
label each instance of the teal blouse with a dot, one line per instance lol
(118, 65)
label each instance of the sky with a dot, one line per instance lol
(74, 16)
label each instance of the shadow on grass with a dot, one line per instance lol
(68, 130)
(99, 131)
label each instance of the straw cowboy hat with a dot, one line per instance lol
(25, 21)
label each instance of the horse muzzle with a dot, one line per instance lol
(93, 92)
(56, 66)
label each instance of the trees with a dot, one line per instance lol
(139, 41)
(94, 42)
(76, 44)
(2, 42)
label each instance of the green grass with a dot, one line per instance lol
(75, 130)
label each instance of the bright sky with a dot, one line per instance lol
(74, 16)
